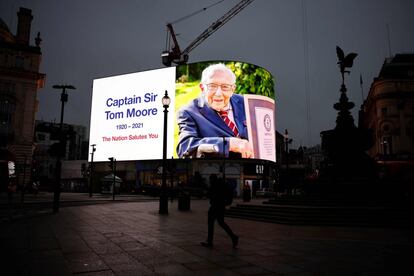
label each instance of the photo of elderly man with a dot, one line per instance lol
(215, 122)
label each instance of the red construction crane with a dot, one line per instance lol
(174, 53)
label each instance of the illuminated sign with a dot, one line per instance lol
(217, 108)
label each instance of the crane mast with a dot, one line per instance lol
(181, 57)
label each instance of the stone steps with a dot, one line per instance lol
(345, 215)
(336, 201)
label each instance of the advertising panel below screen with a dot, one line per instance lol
(217, 109)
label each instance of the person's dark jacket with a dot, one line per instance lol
(201, 125)
(217, 192)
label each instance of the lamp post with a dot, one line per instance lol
(91, 171)
(224, 159)
(286, 137)
(114, 180)
(63, 99)
(112, 166)
(287, 142)
(171, 168)
(163, 195)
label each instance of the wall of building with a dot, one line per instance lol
(389, 112)
(20, 80)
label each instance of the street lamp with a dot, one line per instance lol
(224, 159)
(63, 99)
(163, 194)
(287, 141)
(112, 165)
(91, 171)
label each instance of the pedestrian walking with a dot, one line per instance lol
(217, 194)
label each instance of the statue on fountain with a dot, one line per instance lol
(345, 146)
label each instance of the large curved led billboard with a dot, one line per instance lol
(217, 108)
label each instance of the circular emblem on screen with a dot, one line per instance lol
(267, 122)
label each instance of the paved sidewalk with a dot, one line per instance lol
(131, 238)
(42, 203)
(68, 197)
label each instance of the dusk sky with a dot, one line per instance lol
(295, 40)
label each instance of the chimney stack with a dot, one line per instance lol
(23, 26)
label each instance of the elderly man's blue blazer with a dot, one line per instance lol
(199, 124)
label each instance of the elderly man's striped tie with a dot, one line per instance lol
(225, 116)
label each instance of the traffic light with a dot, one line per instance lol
(112, 163)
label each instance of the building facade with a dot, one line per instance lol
(188, 173)
(193, 173)
(389, 112)
(20, 80)
(46, 149)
